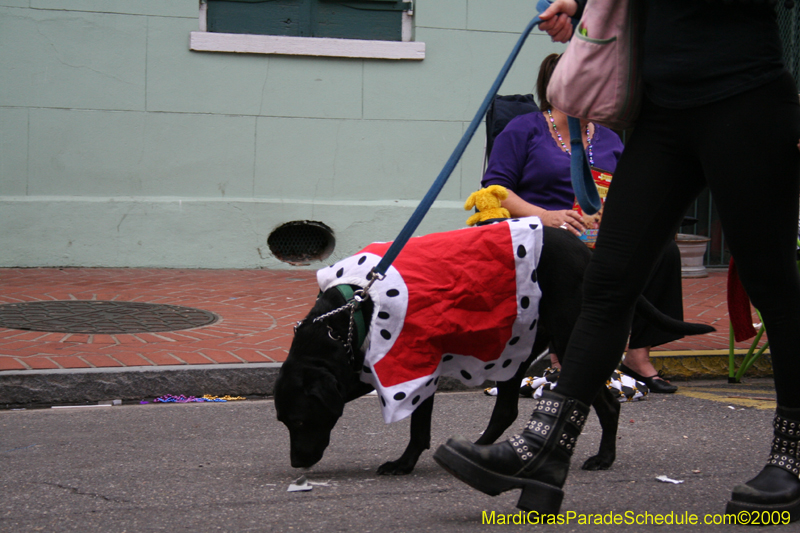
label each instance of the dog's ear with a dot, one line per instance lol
(322, 385)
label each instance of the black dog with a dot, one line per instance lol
(321, 373)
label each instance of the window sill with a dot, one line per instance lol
(202, 41)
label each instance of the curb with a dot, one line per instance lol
(709, 364)
(44, 387)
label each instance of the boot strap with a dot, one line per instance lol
(520, 446)
(785, 451)
(550, 408)
(786, 427)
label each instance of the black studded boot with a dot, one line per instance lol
(537, 461)
(777, 486)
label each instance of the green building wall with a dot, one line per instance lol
(121, 147)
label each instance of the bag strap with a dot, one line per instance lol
(427, 201)
(582, 180)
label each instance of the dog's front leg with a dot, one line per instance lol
(607, 408)
(419, 442)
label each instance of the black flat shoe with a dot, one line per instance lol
(654, 383)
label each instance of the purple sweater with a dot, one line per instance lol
(527, 160)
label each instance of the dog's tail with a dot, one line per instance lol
(666, 323)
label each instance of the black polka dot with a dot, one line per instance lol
(383, 315)
(534, 276)
(513, 341)
(489, 366)
(521, 251)
(428, 384)
(436, 381)
(385, 334)
(363, 258)
(533, 226)
(400, 396)
(447, 357)
(533, 325)
(515, 220)
(392, 293)
(415, 400)
(366, 369)
(506, 363)
(340, 272)
(525, 302)
(383, 401)
(369, 276)
(466, 374)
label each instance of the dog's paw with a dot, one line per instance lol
(396, 468)
(598, 462)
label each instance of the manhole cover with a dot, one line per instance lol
(91, 316)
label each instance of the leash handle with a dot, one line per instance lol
(582, 180)
(427, 201)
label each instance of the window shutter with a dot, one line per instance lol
(344, 19)
(260, 17)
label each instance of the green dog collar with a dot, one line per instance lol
(358, 315)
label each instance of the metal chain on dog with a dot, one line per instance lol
(353, 305)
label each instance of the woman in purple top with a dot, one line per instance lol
(531, 159)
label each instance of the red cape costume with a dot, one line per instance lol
(462, 303)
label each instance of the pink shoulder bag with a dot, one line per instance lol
(597, 77)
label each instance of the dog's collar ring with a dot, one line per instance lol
(332, 335)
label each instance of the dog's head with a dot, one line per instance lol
(313, 383)
(309, 403)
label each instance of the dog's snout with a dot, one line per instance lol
(298, 462)
(305, 458)
(307, 447)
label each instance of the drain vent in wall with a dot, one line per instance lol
(301, 241)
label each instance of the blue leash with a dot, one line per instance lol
(408, 230)
(582, 180)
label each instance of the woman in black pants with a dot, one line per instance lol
(721, 112)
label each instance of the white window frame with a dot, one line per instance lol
(205, 41)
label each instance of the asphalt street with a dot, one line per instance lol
(225, 467)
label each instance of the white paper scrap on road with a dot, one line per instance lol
(665, 479)
(300, 485)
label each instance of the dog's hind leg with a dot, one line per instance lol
(506, 405)
(505, 410)
(419, 442)
(607, 408)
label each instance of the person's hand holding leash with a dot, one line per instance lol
(557, 20)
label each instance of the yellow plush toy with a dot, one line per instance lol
(488, 203)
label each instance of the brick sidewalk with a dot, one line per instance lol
(257, 310)
(705, 301)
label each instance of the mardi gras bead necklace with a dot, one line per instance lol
(564, 145)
